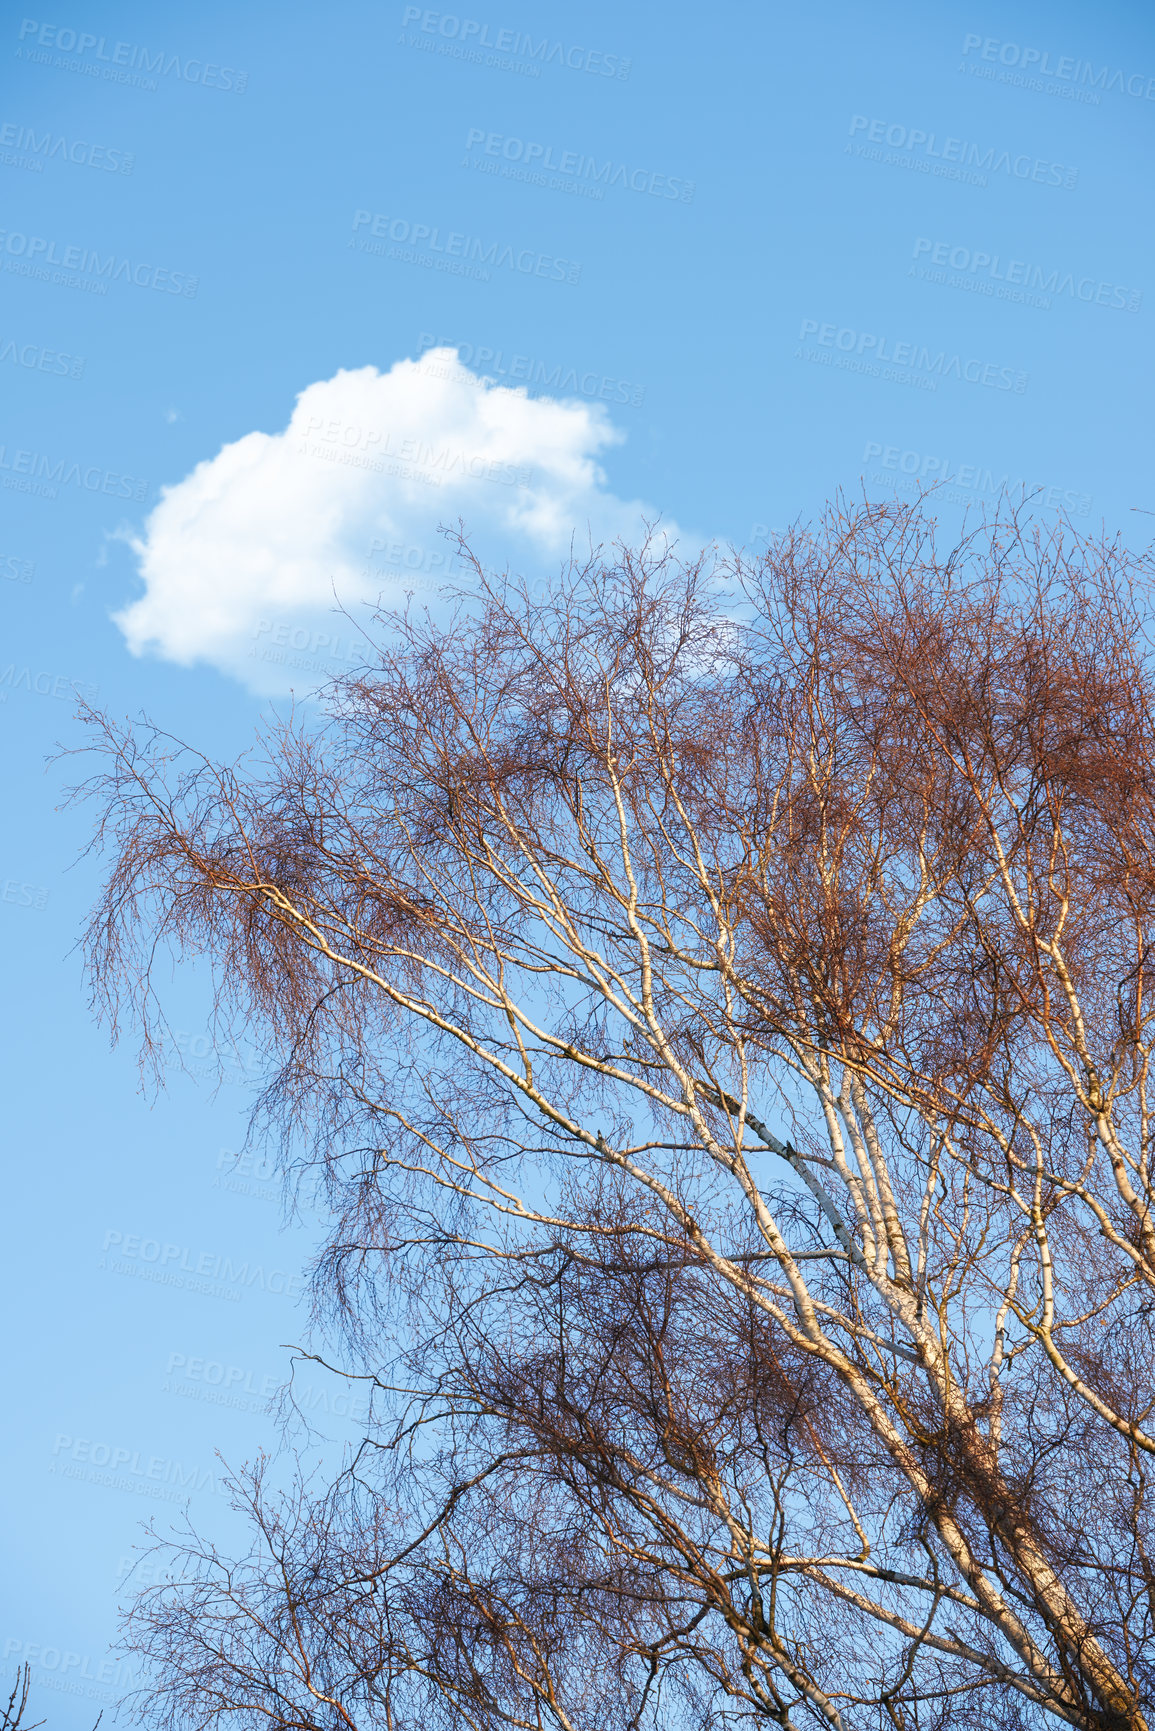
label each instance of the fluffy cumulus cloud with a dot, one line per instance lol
(241, 560)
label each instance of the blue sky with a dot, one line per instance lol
(706, 264)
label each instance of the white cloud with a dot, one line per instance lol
(241, 559)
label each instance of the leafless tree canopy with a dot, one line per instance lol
(720, 1017)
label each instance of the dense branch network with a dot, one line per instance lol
(720, 1018)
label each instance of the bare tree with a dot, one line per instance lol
(12, 1714)
(721, 1021)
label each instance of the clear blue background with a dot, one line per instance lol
(743, 424)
